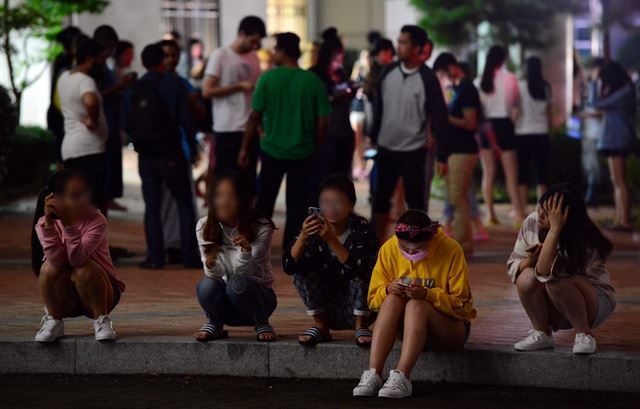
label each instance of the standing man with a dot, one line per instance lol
(409, 97)
(292, 106)
(464, 108)
(230, 77)
(156, 110)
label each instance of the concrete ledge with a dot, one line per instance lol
(476, 364)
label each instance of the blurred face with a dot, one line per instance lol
(335, 206)
(412, 248)
(454, 73)
(543, 219)
(127, 58)
(225, 202)
(426, 52)
(196, 50)
(76, 198)
(250, 42)
(278, 56)
(171, 58)
(337, 61)
(385, 57)
(406, 50)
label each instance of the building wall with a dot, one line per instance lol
(352, 18)
(232, 11)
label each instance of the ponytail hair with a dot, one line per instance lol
(495, 58)
(56, 184)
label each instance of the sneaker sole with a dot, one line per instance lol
(393, 397)
(364, 395)
(534, 349)
(107, 338)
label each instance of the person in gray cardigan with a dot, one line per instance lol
(618, 105)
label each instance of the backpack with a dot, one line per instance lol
(151, 125)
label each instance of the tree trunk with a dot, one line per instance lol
(17, 93)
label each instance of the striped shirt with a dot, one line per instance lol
(596, 271)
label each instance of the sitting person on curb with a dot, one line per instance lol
(235, 245)
(331, 261)
(70, 256)
(420, 287)
(558, 266)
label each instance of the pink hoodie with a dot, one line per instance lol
(74, 245)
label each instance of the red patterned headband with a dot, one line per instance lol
(414, 231)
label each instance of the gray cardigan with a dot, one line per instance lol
(618, 131)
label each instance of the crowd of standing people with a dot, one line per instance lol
(307, 125)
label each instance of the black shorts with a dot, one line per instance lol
(609, 153)
(533, 149)
(393, 165)
(504, 132)
(80, 310)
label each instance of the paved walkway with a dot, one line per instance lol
(163, 302)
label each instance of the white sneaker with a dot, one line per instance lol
(584, 344)
(397, 386)
(51, 329)
(534, 341)
(370, 384)
(103, 329)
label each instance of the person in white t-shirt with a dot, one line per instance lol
(85, 127)
(533, 123)
(230, 77)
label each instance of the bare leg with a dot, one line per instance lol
(358, 128)
(382, 224)
(510, 166)
(422, 321)
(534, 299)
(384, 336)
(94, 288)
(488, 161)
(617, 170)
(57, 290)
(577, 301)
(524, 196)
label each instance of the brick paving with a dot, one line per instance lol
(163, 302)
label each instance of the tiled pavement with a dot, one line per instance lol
(163, 302)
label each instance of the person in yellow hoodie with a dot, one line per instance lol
(419, 284)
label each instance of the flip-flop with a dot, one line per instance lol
(212, 333)
(363, 332)
(316, 337)
(265, 329)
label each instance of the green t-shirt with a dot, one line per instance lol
(290, 100)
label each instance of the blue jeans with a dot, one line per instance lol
(240, 301)
(173, 173)
(447, 212)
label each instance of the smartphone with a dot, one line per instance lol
(405, 285)
(314, 211)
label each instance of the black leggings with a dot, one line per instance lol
(392, 166)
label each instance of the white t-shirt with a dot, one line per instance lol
(231, 112)
(533, 113)
(505, 95)
(78, 140)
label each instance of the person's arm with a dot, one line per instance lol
(323, 107)
(185, 116)
(469, 121)
(381, 277)
(361, 252)
(549, 253)
(250, 133)
(437, 112)
(210, 253)
(91, 104)
(211, 87)
(81, 245)
(321, 130)
(527, 238)
(51, 242)
(249, 261)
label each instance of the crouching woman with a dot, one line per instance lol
(558, 266)
(420, 287)
(70, 256)
(235, 245)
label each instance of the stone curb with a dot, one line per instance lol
(475, 364)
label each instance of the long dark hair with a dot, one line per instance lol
(496, 57)
(247, 216)
(331, 45)
(579, 235)
(615, 77)
(56, 184)
(536, 84)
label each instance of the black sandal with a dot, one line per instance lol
(265, 329)
(212, 333)
(316, 337)
(363, 332)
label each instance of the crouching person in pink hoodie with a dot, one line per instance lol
(70, 256)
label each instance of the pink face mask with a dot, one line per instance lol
(420, 255)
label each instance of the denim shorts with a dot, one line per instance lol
(81, 310)
(605, 308)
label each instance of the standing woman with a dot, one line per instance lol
(558, 267)
(335, 154)
(70, 256)
(618, 103)
(331, 261)
(499, 94)
(533, 123)
(235, 245)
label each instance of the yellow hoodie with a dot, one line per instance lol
(445, 263)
